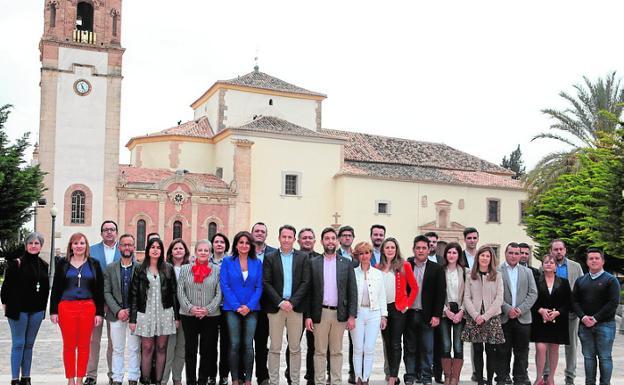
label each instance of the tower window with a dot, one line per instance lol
(78, 200)
(270, 102)
(140, 235)
(493, 210)
(52, 15)
(115, 24)
(177, 229)
(291, 184)
(219, 172)
(84, 17)
(212, 229)
(382, 207)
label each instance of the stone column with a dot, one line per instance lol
(121, 220)
(194, 223)
(162, 198)
(242, 179)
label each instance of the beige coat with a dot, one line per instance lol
(479, 291)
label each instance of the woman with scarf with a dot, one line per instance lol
(199, 295)
(24, 298)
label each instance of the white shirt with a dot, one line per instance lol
(109, 252)
(452, 285)
(433, 258)
(513, 282)
(390, 283)
(469, 259)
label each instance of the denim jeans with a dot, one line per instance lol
(597, 341)
(418, 334)
(454, 342)
(23, 333)
(241, 330)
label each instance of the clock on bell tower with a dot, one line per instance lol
(81, 60)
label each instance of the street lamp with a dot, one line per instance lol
(53, 212)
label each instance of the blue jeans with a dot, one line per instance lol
(453, 342)
(23, 333)
(597, 341)
(241, 330)
(418, 337)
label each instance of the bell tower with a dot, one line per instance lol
(81, 60)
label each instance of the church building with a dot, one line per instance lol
(254, 150)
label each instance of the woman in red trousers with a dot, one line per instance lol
(77, 305)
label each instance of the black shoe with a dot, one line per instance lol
(212, 381)
(90, 381)
(508, 380)
(133, 383)
(474, 378)
(145, 381)
(24, 381)
(116, 383)
(439, 380)
(15, 382)
(223, 381)
(352, 378)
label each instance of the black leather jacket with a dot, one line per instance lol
(140, 286)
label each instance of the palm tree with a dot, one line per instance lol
(592, 115)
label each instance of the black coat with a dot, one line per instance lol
(58, 285)
(273, 281)
(140, 287)
(433, 289)
(347, 289)
(19, 290)
(560, 299)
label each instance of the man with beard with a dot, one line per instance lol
(332, 306)
(377, 236)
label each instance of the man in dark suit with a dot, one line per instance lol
(261, 338)
(285, 280)
(332, 306)
(424, 315)
(525, 258)
(437, 338)
(117, 279)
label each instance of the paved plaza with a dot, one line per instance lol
(48, 364)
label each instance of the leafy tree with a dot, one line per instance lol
(584, 207)
(20, 184)
(514, 163)
(591, 116)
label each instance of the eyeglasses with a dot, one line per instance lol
(109, 230)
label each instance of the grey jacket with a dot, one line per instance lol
(112, 288)
(526, 293)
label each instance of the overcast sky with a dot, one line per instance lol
(471, 74)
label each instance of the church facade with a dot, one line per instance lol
(255, 150)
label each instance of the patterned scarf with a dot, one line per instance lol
(200, 271)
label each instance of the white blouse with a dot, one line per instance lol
(452, 286)
(390, 283)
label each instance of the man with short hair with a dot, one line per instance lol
(525, 258)
(471, 239)
(306, 240)
(104, 252)
(424, 315)
(332, 306)
(285, 281)
(433, 247)
(117, 281)
(595, 299)
(570, 270)
(377, 236)
(261, 337)
(346, 235)
(520, 293)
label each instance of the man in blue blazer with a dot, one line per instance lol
(104, 252)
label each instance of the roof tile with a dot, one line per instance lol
(257, 79)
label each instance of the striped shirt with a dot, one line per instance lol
(206, 294)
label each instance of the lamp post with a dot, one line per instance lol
(53, 212)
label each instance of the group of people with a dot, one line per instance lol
(232, 308)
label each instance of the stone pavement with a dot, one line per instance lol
(48, 365)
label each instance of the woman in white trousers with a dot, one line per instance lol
(372, 312)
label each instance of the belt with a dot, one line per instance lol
(330, 307)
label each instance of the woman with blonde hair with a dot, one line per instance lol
(483, 297)
(77, 304)
(401, 290)
(372, 312)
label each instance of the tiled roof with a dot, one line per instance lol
(271, 124)
(199, 128)
(130, 174)
(428, 174)
(257, 79)
(383, 149)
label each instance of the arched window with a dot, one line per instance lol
(177, 229)
(84, 17)
(140, 235)
(212, 229)
(78, 200)
(52, 15)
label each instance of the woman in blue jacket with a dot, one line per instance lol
(241, 286)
